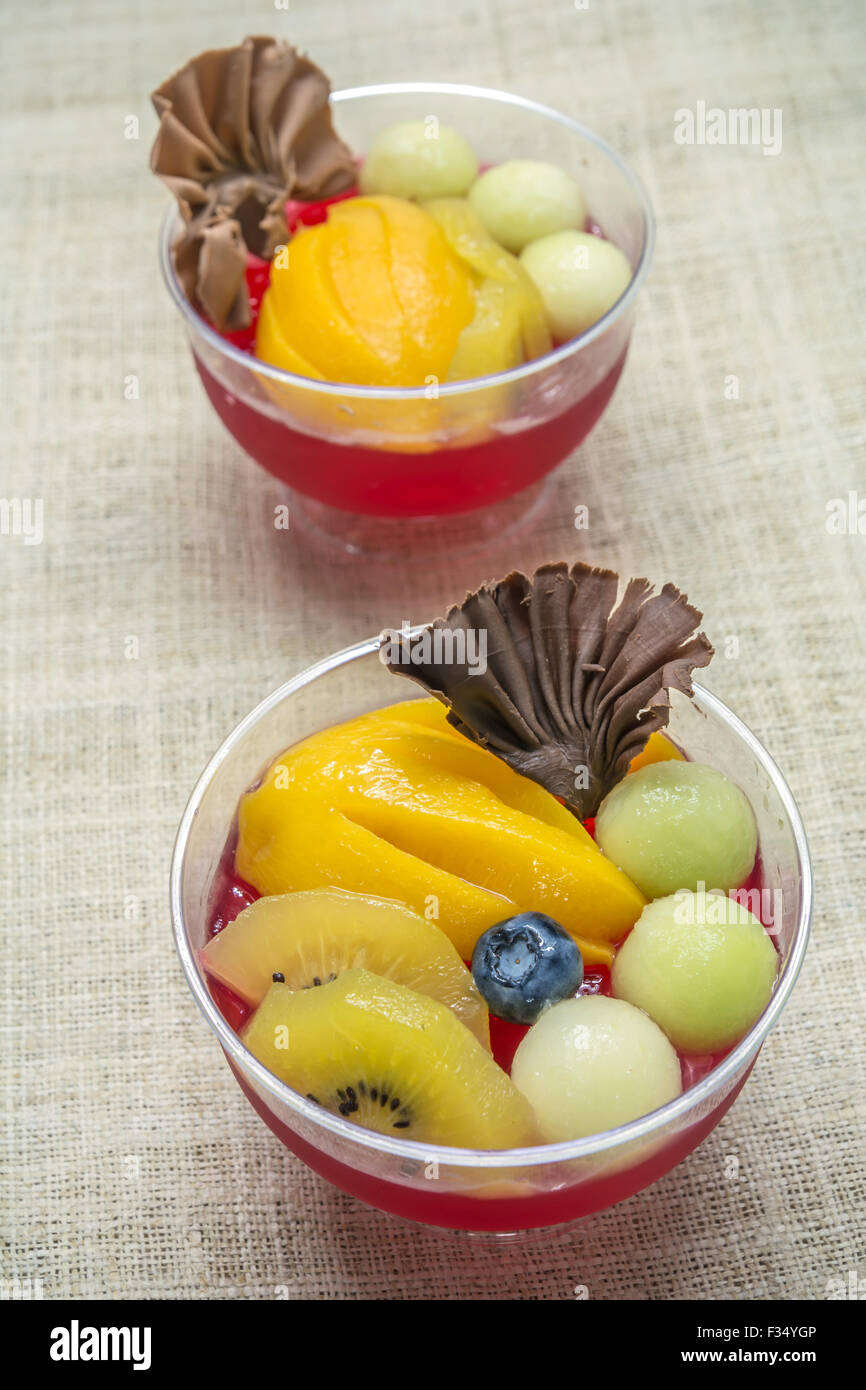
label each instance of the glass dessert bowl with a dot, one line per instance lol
(494, 1189)
(436, 449)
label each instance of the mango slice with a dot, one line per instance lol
(493, 341)
(472, 242)
(658, 749)
(432, 287)
(470, 239)
(280, 352)
(312, 317)
(288, 843)
(359, 263)
(391, 806)
(420, 726)
(373, 296)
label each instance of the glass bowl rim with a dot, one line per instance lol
(196, 323)
(643, 1127)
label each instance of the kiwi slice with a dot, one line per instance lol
(389, 1059)
(310, 938)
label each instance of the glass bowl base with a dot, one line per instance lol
(532, 1235)
(406, 537)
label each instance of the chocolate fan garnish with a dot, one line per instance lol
(573, 686)
(240, 131)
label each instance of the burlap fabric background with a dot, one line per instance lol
(132, 1164)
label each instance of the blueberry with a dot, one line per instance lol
(524, 964)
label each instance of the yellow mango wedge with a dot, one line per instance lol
(658, 749)
(277, 350)
(433, 289)
(291, 842)
(472, 242)
(493, 341)
(421, 727)
(390, 805)
(373, 296)
(311, 316)
(358, 262)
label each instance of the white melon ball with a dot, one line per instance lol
(419, 159)
(524, 199)
(678, 825)
(579, 277)
(701, 966)
(592, 1063)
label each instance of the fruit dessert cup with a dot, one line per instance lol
(407, 440)
(352, 1023)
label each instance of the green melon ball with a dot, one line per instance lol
(578, 276)
(678, 825)
(419, 159)
(700, 965)
(592, 1063)
(524, 199)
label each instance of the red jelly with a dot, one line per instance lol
(302, 214)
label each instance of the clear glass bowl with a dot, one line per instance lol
(450, 448)
(479, 1190)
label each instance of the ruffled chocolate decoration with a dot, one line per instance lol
(240, 131)
(572, 687)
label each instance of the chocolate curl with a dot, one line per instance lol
(573, 686)
(241, 130)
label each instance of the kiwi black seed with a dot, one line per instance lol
(381, 1055)
(366, 1103)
